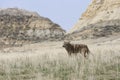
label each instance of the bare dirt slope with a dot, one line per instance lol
(101, 19)
(115, 41)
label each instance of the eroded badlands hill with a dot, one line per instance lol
(101, 19)
(19, 24)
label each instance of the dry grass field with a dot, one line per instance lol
(50, 61)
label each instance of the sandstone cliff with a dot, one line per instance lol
(19, 24)
(100, 19)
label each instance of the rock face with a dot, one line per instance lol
(18, 24)
(102, 18)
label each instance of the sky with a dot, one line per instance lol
(63, 12)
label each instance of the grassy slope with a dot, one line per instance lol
(50, 62)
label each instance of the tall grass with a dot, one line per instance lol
(53, 63)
